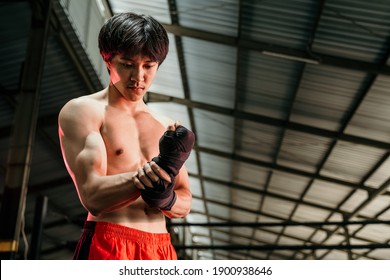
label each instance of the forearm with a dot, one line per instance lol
(183, 202)
(102, 194)
(182, 206)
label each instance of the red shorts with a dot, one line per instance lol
(108, 241)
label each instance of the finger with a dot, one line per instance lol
(144, 179)
(172, 127)
(136, 182)
(150, 173)
(177, 123)
(160, 172)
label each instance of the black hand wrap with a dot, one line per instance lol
(161, 196)
(175, 148)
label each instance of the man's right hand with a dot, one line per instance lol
(150, 176)
(162, 196)
(156, 186)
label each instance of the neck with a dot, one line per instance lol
(116, 99)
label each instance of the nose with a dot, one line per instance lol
(137, 74)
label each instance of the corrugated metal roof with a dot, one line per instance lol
(218, 16)
(285, 23)
(354, 29)
(212, 73)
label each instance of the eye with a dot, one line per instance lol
(149, 66)
(127, 65)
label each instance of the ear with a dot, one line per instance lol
(108, 65)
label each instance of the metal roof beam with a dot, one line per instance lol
(156, 97)
(21, 148)
(283, 247)
(286, 169)
(299, 55)
(66, 35)
(280, 224)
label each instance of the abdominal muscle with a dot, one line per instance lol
(137, 215)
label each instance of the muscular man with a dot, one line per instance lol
(108, 141)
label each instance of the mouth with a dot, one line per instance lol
(136, 87)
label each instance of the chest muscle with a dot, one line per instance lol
(130, 141)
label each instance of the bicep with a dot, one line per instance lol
(82, 147)
(91, 160)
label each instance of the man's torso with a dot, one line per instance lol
(131, 139)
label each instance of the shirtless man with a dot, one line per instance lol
(108, 140)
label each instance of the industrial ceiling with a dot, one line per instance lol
(289, 100)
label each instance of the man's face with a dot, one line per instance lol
(132, 76)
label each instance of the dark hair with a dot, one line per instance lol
(133, 34)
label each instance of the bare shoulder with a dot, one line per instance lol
(80, 104)
(165, 121)
(85, 110)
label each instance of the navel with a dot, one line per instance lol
(119, 152)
